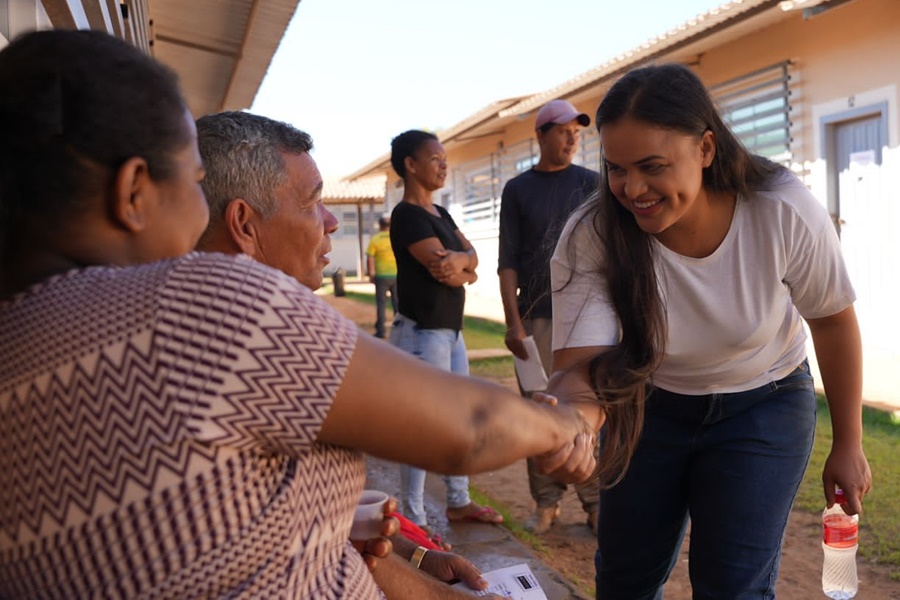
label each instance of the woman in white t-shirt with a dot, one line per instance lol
(679, 296)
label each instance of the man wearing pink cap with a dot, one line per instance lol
(535, 206)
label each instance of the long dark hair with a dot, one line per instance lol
(671, 97)
(75, 106)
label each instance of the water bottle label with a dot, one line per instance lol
(840, 536)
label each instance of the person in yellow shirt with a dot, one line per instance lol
(381, 267)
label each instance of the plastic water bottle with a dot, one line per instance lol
(840, 540)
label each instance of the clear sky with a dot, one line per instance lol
(355, 73)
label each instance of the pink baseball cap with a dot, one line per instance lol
(559, 111)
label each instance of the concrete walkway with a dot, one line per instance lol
(489, 547)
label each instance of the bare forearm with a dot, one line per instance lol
(839, 353)
(473, 259)
(573, 385)
(461, 424)
(398, 580)
(403, 546)
(500, 427)
(469, 249)
(509, 285)
(571, 382)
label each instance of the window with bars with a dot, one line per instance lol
(483, 179)
(757, 108)
(348, 219)
(348, 222)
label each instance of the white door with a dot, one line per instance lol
(866, 216)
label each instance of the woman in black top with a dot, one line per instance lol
(434, 261)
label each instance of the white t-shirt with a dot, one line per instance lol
(734, 317)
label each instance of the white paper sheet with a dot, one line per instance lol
(517, 583)
(531, 372)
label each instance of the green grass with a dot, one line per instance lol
(879, 524)
(509, 522)
(483, 333)
(479, 333)
(492, 368)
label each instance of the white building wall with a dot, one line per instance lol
(22, 16)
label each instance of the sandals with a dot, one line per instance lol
(482, 514)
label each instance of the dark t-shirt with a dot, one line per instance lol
(421, 297)
(534, 207)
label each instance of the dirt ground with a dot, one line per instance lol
(569, 545)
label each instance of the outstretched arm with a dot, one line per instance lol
(436, 420)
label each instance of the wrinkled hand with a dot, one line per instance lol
(380, 547)
(447, 566)
(572, 463)
(514, 336)
(849, 470)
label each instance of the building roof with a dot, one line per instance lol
(726, 21)
(455, 133)
(220, 49)
(360, 191)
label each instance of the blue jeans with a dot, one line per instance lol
(446, 349)
(732, 463)
(383, 286)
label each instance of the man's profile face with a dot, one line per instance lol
(296, 237)
(559, 143)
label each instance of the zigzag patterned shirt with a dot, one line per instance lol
(157, 437)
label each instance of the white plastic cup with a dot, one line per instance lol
(369, 516)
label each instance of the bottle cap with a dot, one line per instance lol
(839, 497)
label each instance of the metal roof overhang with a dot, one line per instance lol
(220, 49)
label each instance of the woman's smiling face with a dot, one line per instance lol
(655, 173)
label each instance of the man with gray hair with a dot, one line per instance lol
(265, 200)
(265, 194)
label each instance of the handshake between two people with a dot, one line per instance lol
(573, 461)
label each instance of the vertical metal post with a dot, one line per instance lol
(360, 268)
